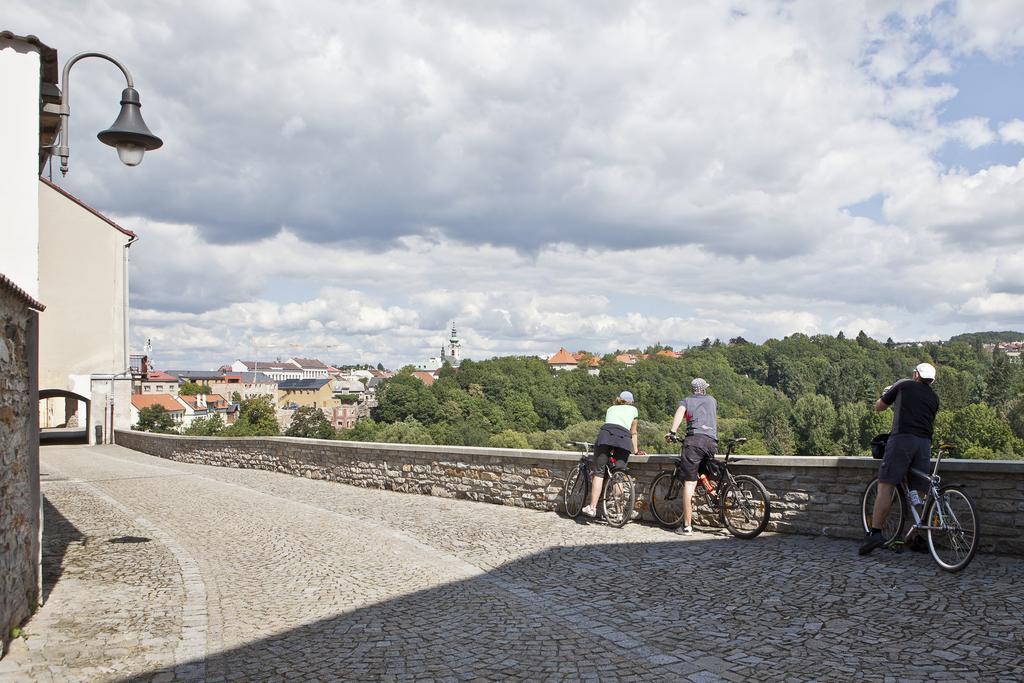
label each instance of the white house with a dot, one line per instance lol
(311, 368)
(276, 370)
(563, 360)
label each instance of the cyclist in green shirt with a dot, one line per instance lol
(616, 438)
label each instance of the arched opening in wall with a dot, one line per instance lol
(64, 417)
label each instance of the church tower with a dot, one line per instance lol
(454, 348)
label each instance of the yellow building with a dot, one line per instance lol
(295, 393)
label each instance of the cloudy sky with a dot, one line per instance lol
(343, 179)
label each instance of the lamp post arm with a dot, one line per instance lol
(65, 109)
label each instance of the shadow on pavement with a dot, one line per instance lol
(774, 608)
(58, 534)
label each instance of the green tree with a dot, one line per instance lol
(236, 397)
(509, 438)
(409, 430)
(364, 430)
(519, 412)
(814, 418)
(849, 433)
(1001, 382)
(976, 425)
(956, 388)
(404, 395)
(771, 418)
(256, 417)
(205, 426)
(310, 423)
(549, 440)
(1015, 416)
(194, 388)
(872, 424)
(155, 418)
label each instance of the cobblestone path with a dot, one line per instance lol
(156, 570)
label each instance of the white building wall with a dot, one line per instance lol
(19, 164)
(82, 333)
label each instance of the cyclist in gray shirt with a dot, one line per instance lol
(700, 412)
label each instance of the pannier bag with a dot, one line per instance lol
(878, 446)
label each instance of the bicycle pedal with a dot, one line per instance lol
(897, 547)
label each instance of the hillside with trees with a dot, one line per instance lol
(806, 395)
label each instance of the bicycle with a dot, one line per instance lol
(618, 491)
(950, 519)
(740, 501)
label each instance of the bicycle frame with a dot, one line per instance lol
(932, 494)
(710, 497)
(587, 471)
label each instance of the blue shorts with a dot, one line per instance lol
(902, 452)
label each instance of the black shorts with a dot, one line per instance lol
(696, 448)
(902, 452)
(604, 452)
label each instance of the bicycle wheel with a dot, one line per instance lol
(745, 506)
(619, 499)
(954, 540)
(897, 512)
(667, 500)
(575, 490)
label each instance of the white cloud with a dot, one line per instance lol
(973, 132)
(506, 302)
(293, 126)
(1012, 131)
(975, 209)
(348, 177)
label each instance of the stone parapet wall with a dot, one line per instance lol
(19, 464)
(810, 495)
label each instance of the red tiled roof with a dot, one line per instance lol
(626, 358)
(425, 377)
(160, 376)
(669, 353)
(141, 401)
(563, 357)
(88, 208)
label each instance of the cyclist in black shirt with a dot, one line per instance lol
(914, 405)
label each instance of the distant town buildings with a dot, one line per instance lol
(452, 355)
(345, 396)
(1012, 349)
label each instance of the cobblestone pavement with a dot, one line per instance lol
(156, 570)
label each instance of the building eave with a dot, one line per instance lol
(88, 208)
(20, 294)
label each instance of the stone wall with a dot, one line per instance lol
(19, 462)
(810, 495)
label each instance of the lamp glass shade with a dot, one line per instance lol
(130, 153)
(129, 131)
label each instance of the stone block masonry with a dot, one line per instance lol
(19, 462)
(810, 495)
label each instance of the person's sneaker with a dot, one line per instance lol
(685, 531)
(589, 511)
(872, 540)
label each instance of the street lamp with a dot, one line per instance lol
(128, 134)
